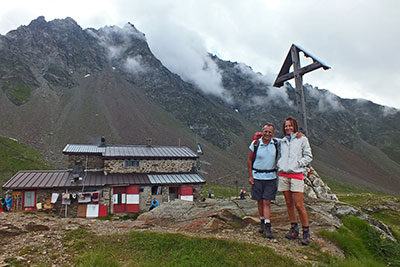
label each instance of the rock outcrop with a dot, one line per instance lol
(218, 216)
(315, 187)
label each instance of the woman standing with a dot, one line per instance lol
(295, 155)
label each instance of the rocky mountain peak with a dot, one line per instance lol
(38, 23)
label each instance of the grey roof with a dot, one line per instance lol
(63, 179)
(132, 151)
(74, 148)
(150, 152)
(176, 178)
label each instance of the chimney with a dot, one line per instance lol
(149, 142)
(77, 171)
(102, 142)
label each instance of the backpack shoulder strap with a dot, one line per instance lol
(276, 148)
(256, 145)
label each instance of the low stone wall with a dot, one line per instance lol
(197, 192)
(151, 166)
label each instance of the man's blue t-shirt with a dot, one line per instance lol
(265, 160)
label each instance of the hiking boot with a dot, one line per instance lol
(293, 232)
(268, 232)
(262, 227)
(306, 240)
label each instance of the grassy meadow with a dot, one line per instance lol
(15, 156)
(155, 249)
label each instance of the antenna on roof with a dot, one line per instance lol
(102, 142)
(149, 142)
(199, 149)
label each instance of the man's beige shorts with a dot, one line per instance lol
(290, 184)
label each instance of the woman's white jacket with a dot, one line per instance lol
(295, 154)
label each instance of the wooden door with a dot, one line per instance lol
(119, 199)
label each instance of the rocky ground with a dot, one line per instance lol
(36, 237)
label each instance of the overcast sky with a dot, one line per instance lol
(359, 39)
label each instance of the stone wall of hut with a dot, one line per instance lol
(88, 161)
(151, 166)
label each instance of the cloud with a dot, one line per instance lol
(135, 65)
(180, 50)
(273, 94)
(389, 111)
(117, 40)
(326, 100)
(183, 52)
(256, 77)
(179, 47)
(279, 94)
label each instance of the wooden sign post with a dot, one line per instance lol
(293, 58)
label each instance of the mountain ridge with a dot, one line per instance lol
(86, 83)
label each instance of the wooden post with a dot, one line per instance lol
(292, 58)
(298, 79)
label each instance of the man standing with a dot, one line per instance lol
(262, 175)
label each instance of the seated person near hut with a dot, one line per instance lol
(154, 204)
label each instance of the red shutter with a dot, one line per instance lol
(187, 193)
(186, 190)
(132, 189)
(102, 211)
(132, 199)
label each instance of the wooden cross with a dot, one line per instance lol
(292, 58)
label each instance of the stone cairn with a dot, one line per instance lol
(315, 188)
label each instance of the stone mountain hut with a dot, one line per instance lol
(109, 179)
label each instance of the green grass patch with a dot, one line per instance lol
(366, 200)
(314, 253)
(354, 199)
(157, 249)
(14, 262)
(219, 191)
(30, 250)
(15, 156)
(340, 188)
(363, 245)
(131, 217)
(391, 218)
(22, 92)
(18, 91)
